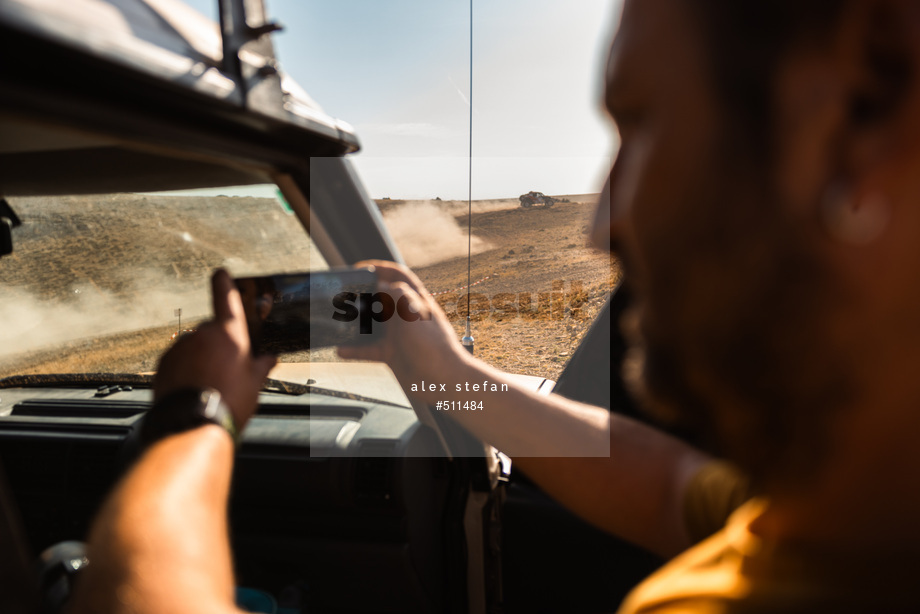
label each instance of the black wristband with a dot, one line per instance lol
(184, 410)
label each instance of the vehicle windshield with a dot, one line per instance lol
(104, 283)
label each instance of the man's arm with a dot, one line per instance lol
(160, 542)
(621, 475)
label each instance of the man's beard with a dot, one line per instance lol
(736, 351)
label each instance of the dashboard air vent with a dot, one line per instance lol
(79, 408)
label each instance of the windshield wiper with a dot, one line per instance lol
(145, 380)
(81, 380)
(292, 388)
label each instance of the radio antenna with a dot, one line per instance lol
(468, 340)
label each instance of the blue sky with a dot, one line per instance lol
(398, 71)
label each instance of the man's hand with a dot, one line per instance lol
(218, 356)
(426, 348)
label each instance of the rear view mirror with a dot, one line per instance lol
(8, 221)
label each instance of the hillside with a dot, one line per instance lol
(90, 270)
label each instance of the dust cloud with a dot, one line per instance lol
(32, 323)
(427, 232)
(86, 267)
(462, 207)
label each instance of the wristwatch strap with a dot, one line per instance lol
(184, 410)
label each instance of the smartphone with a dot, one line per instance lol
(292, 312)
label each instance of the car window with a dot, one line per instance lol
(534, 283)
(105, 282)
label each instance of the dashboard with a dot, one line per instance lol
(346, 502)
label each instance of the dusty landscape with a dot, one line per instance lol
(98, 278)
(536, 283)
(543, 285)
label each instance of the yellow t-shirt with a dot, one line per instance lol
(738, 572)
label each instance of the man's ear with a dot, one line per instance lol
(848, 117)
(882, 101)
(873, 182)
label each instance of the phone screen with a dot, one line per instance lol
(293, 312)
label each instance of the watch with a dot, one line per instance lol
(184, 410)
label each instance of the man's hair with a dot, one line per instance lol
(746, 41)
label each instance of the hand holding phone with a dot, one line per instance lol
(293, 312)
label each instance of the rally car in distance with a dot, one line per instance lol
(535, 198)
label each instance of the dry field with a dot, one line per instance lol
(544, 284)
(89, 270)
(540, 284)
